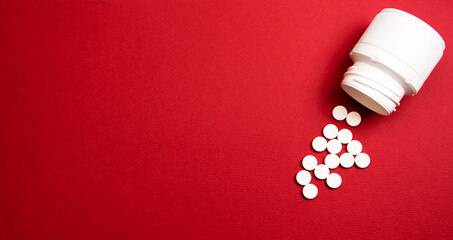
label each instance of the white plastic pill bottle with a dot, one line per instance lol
(393, 58)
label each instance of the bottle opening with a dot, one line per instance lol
(365, 100)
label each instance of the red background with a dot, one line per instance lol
(189, 120)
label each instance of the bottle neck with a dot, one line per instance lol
(374, 86)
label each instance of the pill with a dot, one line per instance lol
(353, 119)
(333, 180)
(362, 160)
(303, 177)
(330, 131)
(332, 161)
(309, 162)
(354, 147)
(321, 171)
(310, 191)
(346, 160)
(334, 146)
(319, 144)
(345, 136)
(339, 113)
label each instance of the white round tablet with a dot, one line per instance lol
(303, 177)
(333, 180)
(330, 131)
(353, 119)
(354, 147)
(310, 191)
(309, 162)
(345, 136)
(332, 161)
(339, 113)
(321, 171)
(334, 146)
(362, 160)
(346, 160)
(319, 144)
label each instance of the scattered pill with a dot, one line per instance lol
(319, 144)
(333, 140)
(310, 191)
(362, 160)
(334, 146)
(339, 113)
(303, 177)
(321, 171)
(346, 160)
(354, 147)
(330, 131)
(332, 161)
(345, 136)
(353, 119)
(333, 180)
(309, 162)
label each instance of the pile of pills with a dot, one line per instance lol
(333, 141)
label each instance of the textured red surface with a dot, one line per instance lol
(165, 119)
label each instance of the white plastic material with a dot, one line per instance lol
(393, 58)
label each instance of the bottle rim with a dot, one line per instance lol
(364, 98)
